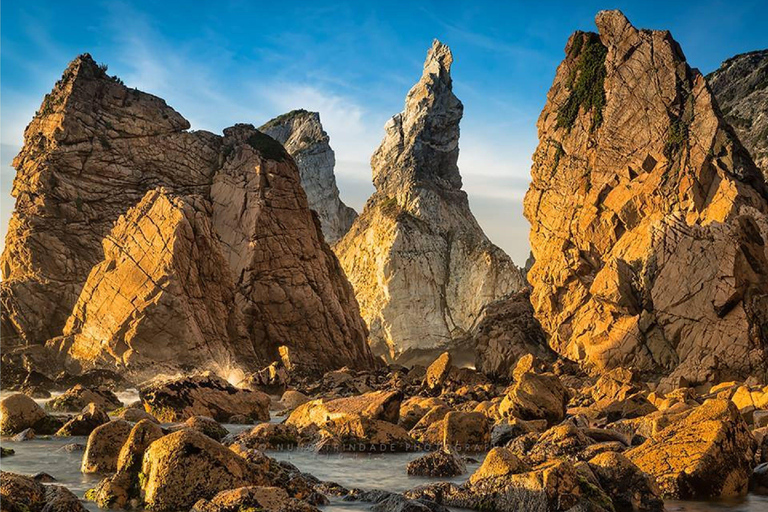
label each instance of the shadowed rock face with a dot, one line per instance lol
(648, 222)
(740, 85)
(149, 246)
(421, 266)
(303, 136)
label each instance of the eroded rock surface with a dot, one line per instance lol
(647, 215)
(421, 266)
(303, 136)
(140, 241)
(740, 85)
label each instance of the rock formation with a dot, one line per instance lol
(506, 331)
(421, 266)
(302, 135)
(149, 247)
(648, 217)
(741, 88)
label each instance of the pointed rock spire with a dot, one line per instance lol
(421, 265)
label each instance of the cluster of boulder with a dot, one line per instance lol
(554, 440)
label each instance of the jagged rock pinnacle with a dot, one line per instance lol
(421, 265)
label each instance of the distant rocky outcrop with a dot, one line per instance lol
(740, 85)
(421, 266)
(303, 136)
(648, 217)
(138, 245)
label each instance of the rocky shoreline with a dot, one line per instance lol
(554, 440)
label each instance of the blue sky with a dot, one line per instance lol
(237, 61)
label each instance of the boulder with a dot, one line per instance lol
(267, 499)
(708, 454)
(379, 405)
(438, 372)
(536, 396)
(207, 426)
(104, 445)
(122, 489)
(557, 486)
(499, 463)
(19, 493)
(269, 436)
(441, 463)
(559, 442)
(414, 408)
(205, 394)
(78, 397)
(183, 467)
(135, 415)
(291, 399)
(18, 412)
(626, 484)
(85, 422)
(506, 331)
(466, 431)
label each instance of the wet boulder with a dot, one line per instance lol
(556, 486)
(18, 412)
(708, 454)
(179, 398)
(186, 466)
(442, 463)
(626, 484)
(19, 493)
(122, 490)
(104, 445)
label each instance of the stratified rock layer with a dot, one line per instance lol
(149, 247)
(740, 85)
(303, 136)
(421, 266)
(647, 215)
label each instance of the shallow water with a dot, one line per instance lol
(364, 471)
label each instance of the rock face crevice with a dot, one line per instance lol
(136, 242)
(740, 85)
(648, 217)
(421, 266)
(303, 136)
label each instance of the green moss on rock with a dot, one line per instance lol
(586, 81)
